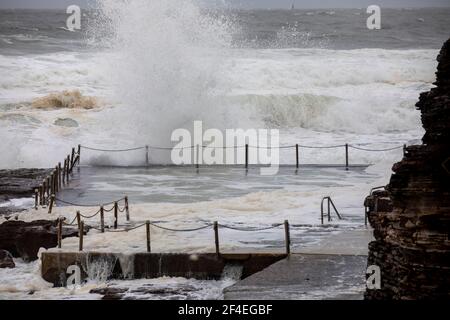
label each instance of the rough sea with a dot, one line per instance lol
(319, 76)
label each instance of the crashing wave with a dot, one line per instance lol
(66, 99)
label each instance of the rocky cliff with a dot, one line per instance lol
(411, 219)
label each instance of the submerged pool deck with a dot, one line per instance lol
(333, 268)
(183, 184)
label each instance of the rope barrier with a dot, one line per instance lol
(90, 216)
(112, 150)
(216, 225)
(108, 210)
(208, 225)
(274, 226)
(170, 148)
(375, 150)
(322, 147)
(181, 230)
(127, 230)
(71, 223)
(88, 205)
(241, 147)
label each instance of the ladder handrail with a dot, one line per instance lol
(330, 202)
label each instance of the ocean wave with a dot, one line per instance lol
(286, 110)
(328, 113)
(66, 99)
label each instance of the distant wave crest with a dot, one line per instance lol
(66, 99)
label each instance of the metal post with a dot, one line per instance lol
(297, 156)
(197, 157)
(78, 218)
(68, 168)
(146, 156)
(79, 154)
(329, 210)
(44, 190)
(335, 209)
(60, 222)
(59, 176)
(116, 218)
(287, 237)
(52, 183)
(72, 159)
(102, 220)
(147, 227)
(246, 156)
(321, 211)
(81, 234)
(41, 195)
(127, 209)
(52, 200)
(346, 156)
(48, 187)
(216, 237)
(56, 180)
(36, 198)
(64, 172)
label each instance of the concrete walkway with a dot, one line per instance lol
(332, 269)
(349, 242)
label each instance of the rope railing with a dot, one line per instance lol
(251, 229)
(148, 224)
(354, 146)
(91, 215)
(101, 212)
(54, 182)
(89, 205)
(113, 150)
(181, 230)
(376, 150)
(361, 147)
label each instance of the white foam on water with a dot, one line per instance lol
(183, 68)
(232, 272)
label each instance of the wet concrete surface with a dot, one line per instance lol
(305, 276)
(183, 184)
(334, 269)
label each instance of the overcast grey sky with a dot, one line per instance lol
(250, 3)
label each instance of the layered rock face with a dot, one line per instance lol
(6, 259)
(411, 219)
(24, 239)
(19, 183)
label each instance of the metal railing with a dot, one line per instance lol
(330, 204)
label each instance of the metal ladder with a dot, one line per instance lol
(329, 204)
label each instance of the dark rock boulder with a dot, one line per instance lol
(411, 219)
(6, 259)
(20, 182)
(24, 239)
